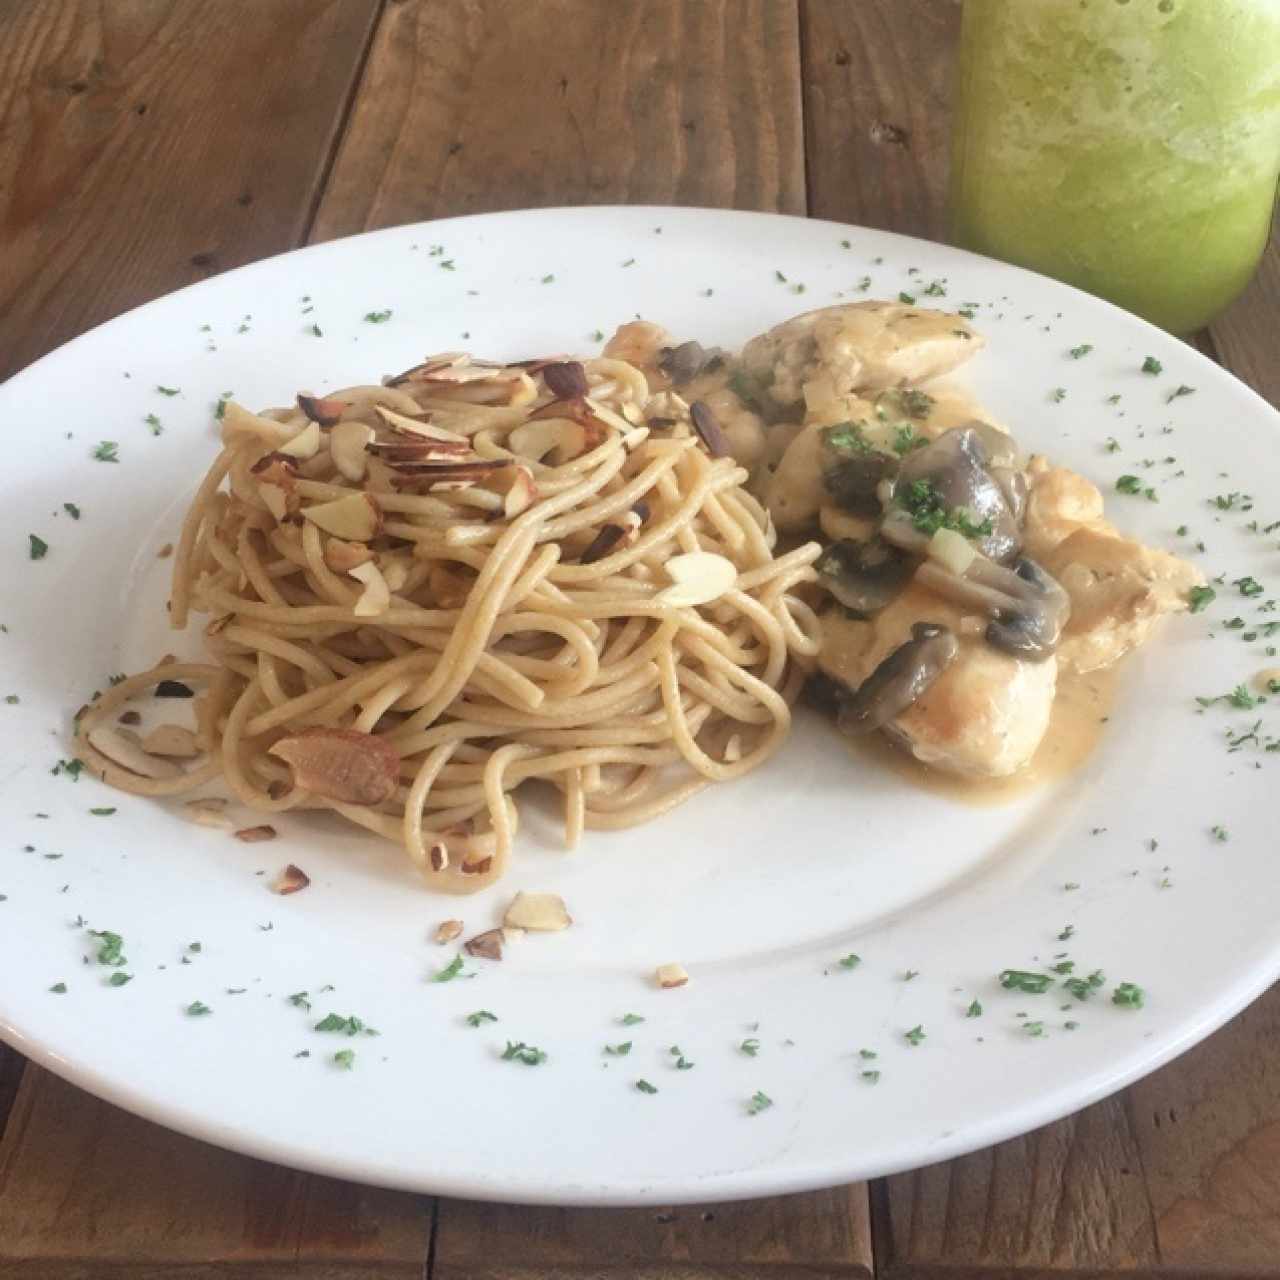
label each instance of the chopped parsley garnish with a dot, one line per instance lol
(154, 423)
(851, 961)
(1033, 1028)
(618, 1050)
(1248, 586)
(1112, 445)
(168, 391)
(1219, 832)
(1152, 365)
(106, 451)
(847, 437)
(119, 979)
(928, 514)
(72, 510)
(1241, 698)
(1083, 988)
(377, 317)
(39, 548)
(871, 1077)
(1128, 484)
(1200, 598)
(518, 1051)
(198, 1008)
(1019, 980)
(59, 988)
(345, 1059)
(299, 1001)
(905, 439)
(915, 1035)
(315, 331)
(480, 1015)
(548, 279)
(1078, 353)
(1058, 395)
(864, 283)
(645, 1087)
(749, 1047)
(111, 947)
(868, 1054)
(907, 298)
(1067, 931)
(936, 290)
(630, 1019)
(1064, 967)
(12, 699)
(102, 813)
(683, 1063)
(974, 1010)
(350, 1026)
(1128, 996)
(758, 1102)
(1181, 390)
(909, 974)
(452, 970)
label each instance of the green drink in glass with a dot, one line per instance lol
(1130, 147)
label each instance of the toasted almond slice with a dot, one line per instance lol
(115, 744)
(697, 577)
(668, 976)
(208, 813)
(341, 764)
(537, 438)
(276, 500)
(342, 557)
(438, 857)
(733, 749)
(431, 364)
(541, 911)
(355, 518)
(447, 930)
(292, 880)
(477, 868)
(347, 444)
(405, 425)
(171, 740)
(165, 552)
(256, 835)
(319, 409)
(709, 430)
(395, 568)
(518, 490)
(400, 451)
(486, 945)
(376, 596)
(566, 380)
(512, 934)
(306, 444)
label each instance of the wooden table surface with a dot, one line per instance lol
(147, 144)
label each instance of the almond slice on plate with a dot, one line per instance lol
(423, 429)
(292, 880)
(208, 813)
(669, 976)
(306, 444)
(319, 409)
(697, 577)
(487, 945)
(544, 912)
(447, 930)
(347, 444)
(256, 835)
(341, 764)
(355, 518)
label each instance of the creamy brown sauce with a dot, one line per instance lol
(1081, 707)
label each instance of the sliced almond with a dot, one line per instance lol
(292, 880)
(376, 596)
(697, 577)
(544, 912)
(396, 452)
(487, 945)
(324, 411)
(733, 749)
(306, 444)
(208, 813)
(668, 976)
(709, 430)
(355, 518)
(342, 557)
(347, 444)
(477, 868)
(404, 425)
(431, 364)
(447, 930)
(515, 483)
(171, 740)
(341, 764)
(117, 746)
(165, 552)
(256, 835)
(566, 380)
(395, 568)
(535, 439)
(438, 857)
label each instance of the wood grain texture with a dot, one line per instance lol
(471, 105)
(1245, 337)
(877, 102)
(87, 1190)
(149, 143)
(808, 1237)
(11, 1067)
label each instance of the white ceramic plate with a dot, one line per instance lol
(757, 888)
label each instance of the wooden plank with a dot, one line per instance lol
(471, 105)
(1208, 1129)
(808, 1237)
(146, 144)
(87, 1190)
(877, 102)
(11, 1066)
(1245, 336)
(1069, 1197)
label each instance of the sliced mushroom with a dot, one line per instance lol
(1027, 607)
(683, 363)
(957, 467)
(864, 576)
(854, 483)
(900, 679)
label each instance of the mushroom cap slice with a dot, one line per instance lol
(899, 680)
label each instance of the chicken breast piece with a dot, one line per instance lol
(744, 430)
(1119, 591)
(983, 717)
(641, 343)
(858, 346)
(1058, 503)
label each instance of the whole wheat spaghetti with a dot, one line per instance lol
(423, 594)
